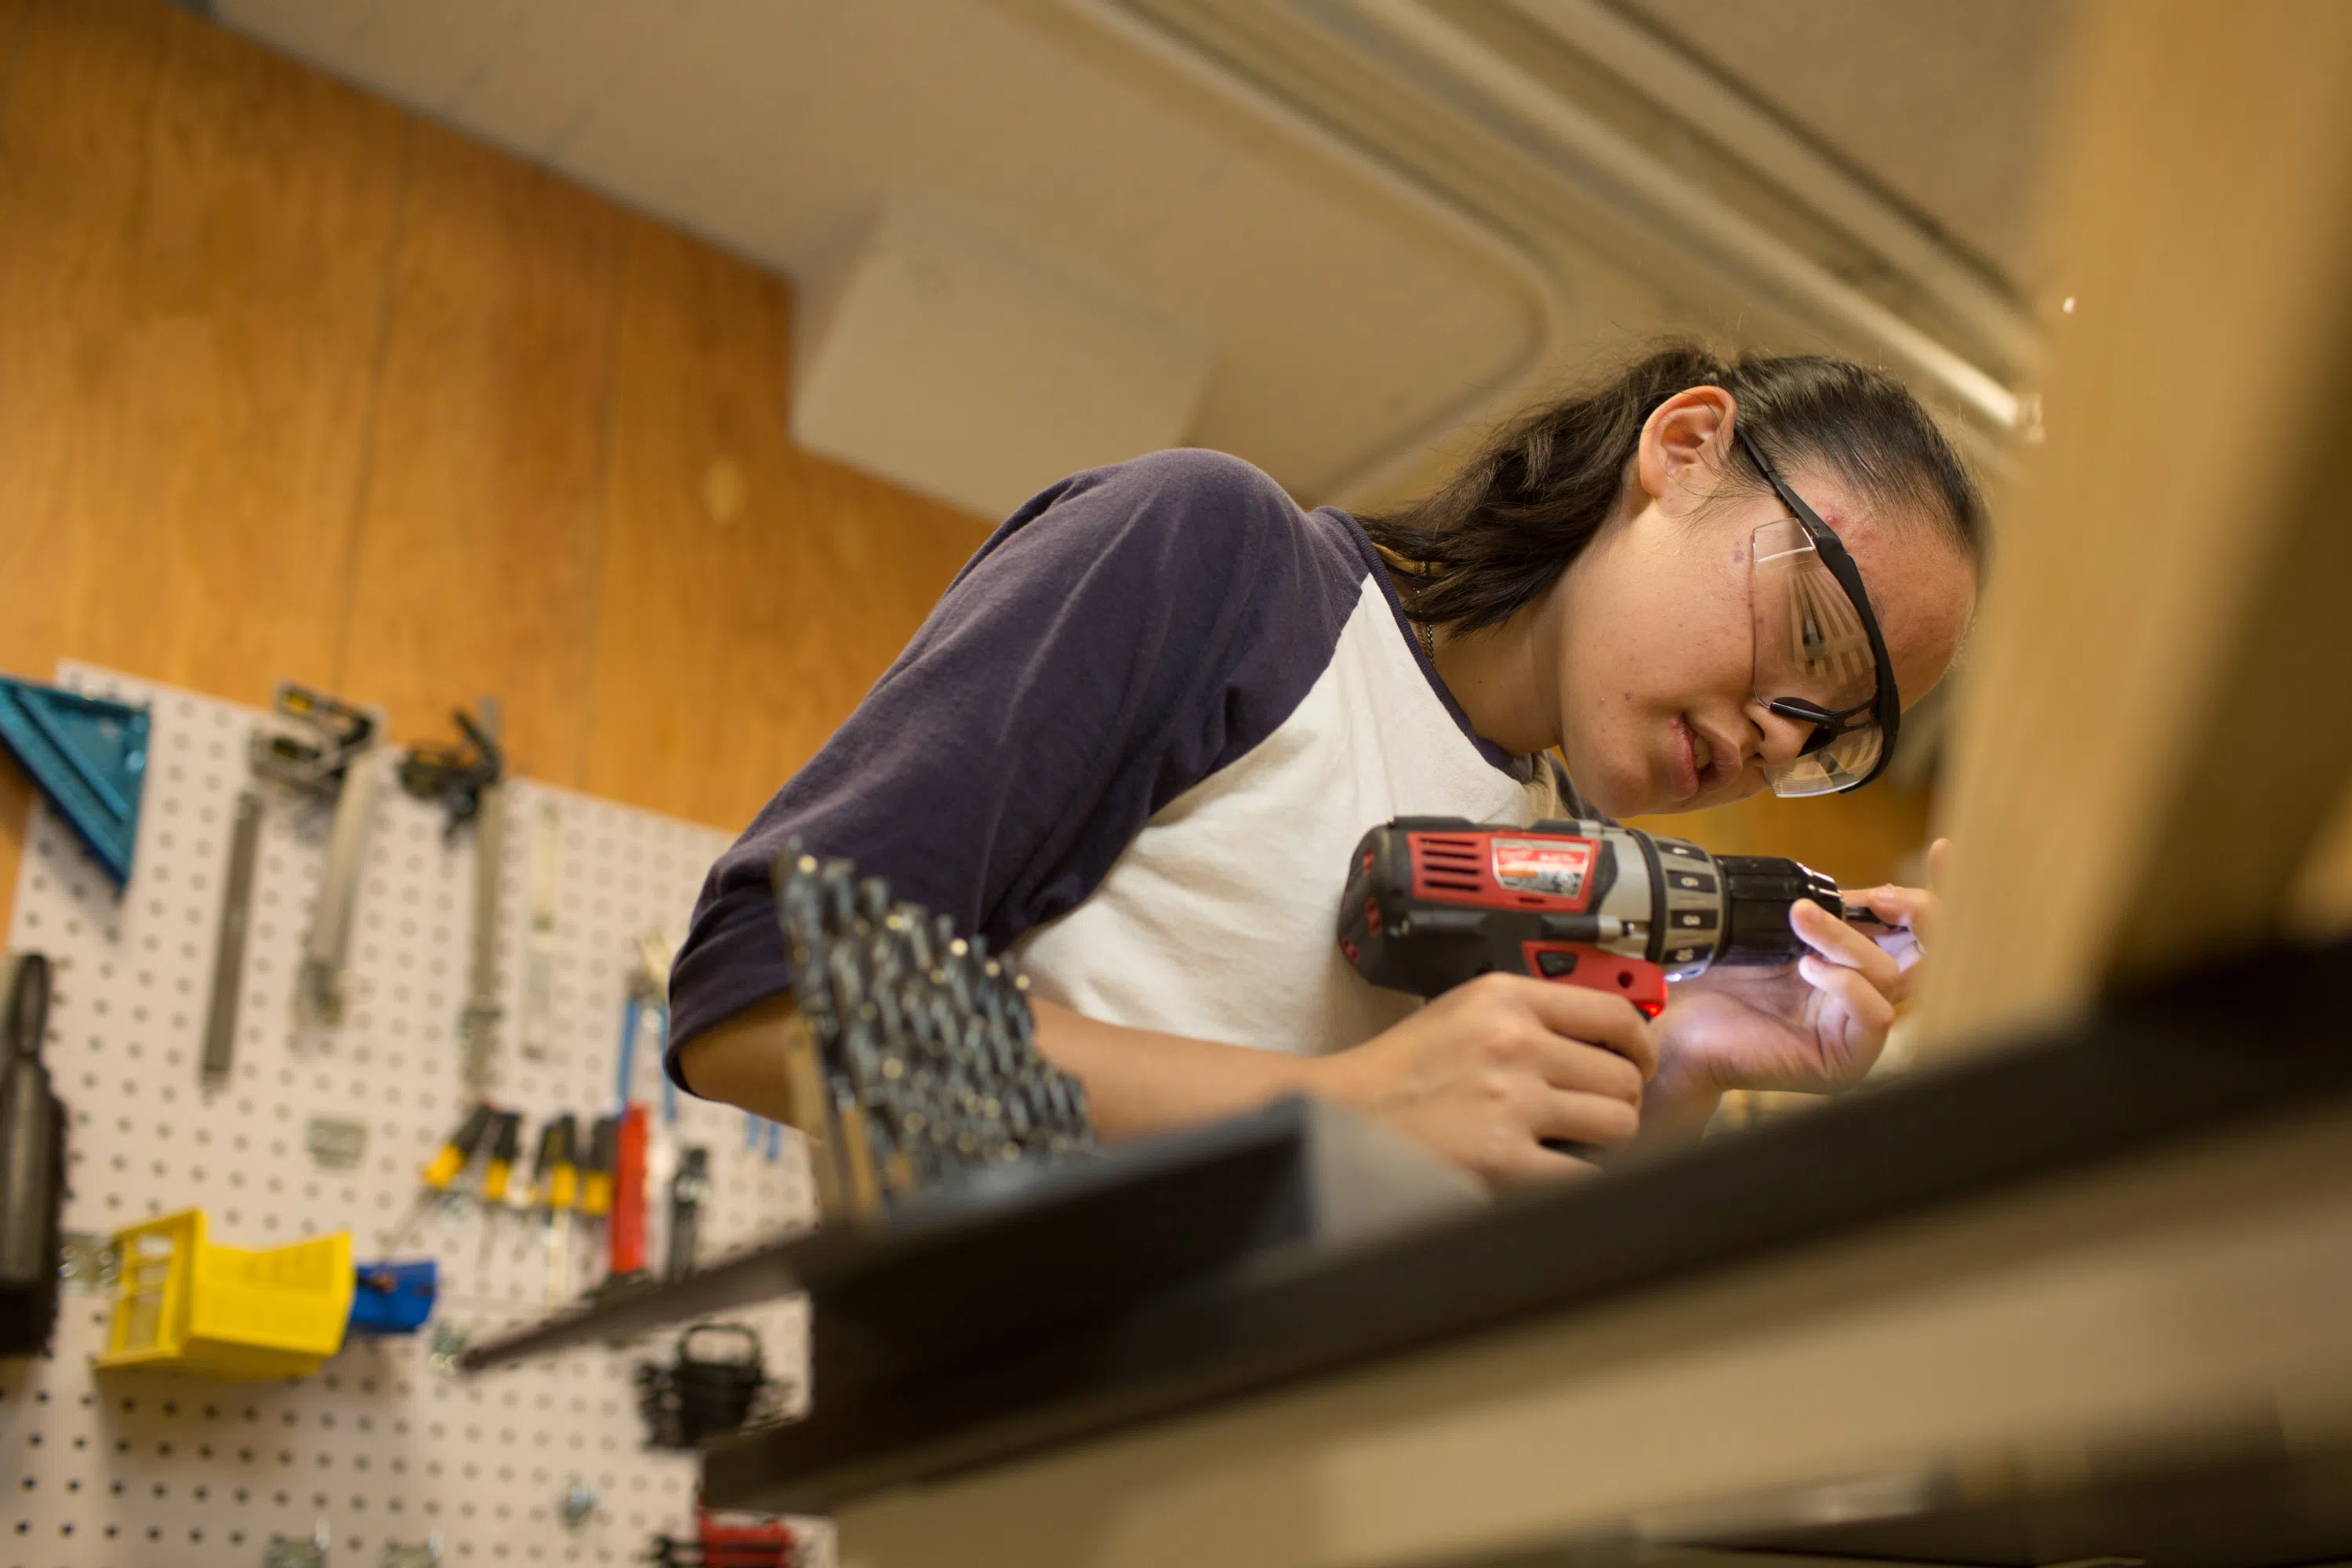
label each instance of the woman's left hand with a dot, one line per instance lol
(1816, 1026)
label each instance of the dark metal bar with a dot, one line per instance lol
(624, 1311)
(229, 955)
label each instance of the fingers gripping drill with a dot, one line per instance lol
(1432, 902)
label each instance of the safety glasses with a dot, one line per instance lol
(1820, 660)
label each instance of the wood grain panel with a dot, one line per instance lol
(32, 557)
(752, 594)
(2152, 734)
(11, 21)
(478, 535)
(65, 205)
(194, 277)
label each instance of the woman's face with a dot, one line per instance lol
(1655, 630)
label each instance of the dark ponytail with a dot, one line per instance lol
(1504, 529)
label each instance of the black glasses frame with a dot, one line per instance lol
(1885, 706)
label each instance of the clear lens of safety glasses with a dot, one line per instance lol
(1813, 663)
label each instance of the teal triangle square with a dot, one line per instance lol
(88, 756)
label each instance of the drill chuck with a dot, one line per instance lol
(1758, 892)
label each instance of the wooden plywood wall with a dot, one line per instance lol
(294, 385)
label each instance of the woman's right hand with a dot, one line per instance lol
(1488, 1072)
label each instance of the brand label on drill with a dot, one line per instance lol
(1554, 866)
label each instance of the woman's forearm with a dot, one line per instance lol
(743, 1060)
(1679, 1100)
(1138, 1082)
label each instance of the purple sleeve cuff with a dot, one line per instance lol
(735, 958)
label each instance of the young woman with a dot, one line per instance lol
(1140, 736)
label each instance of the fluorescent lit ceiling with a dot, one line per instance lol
(1944, 103)
(1390, 220)
(1344, 319)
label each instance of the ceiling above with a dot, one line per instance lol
(1946, 105)
(1387, 222)
(1340, 318)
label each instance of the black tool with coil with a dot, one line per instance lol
(717, 1383)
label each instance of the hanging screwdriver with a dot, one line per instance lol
(460, 1151)
(596, 1174)
(558, 1190)
(625, 1234)
(454, 1156)
(596, 1171)
(542, 1162)
(506, 1144)
(687, 1190)
(504, 1148)
(533, 1191)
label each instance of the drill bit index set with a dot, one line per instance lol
(914, 1058)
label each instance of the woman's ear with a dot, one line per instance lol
(1685, 442)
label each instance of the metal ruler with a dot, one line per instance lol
(228, 954)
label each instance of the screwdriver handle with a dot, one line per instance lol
(543, 1161)
(560, 1188)
(504, 1147)
(459, 1151)
(29, 1134)
(626, 1235)
(596, 1172)
(28, 1007)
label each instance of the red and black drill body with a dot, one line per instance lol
(1432, 902)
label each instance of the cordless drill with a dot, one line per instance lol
(1432, 902)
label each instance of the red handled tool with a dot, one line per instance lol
(1432, 902)
(625, 1237)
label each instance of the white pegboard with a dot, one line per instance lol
(152, 1467)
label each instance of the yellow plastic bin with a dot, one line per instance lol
(234, 1314)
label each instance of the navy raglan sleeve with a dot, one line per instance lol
(1090, 664)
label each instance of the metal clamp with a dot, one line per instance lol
(284, 1552)
(469, 781)
(332, 757)
(580, 1501)
(89, 1263)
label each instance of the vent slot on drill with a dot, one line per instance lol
(1458, 865)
